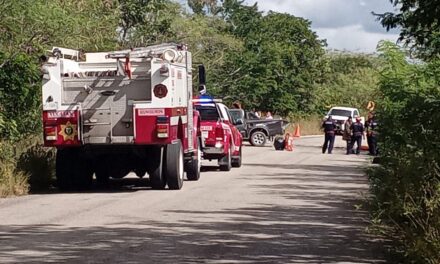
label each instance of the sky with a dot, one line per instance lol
(345, 24)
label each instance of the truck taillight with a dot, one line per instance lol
(219, 134)
(50, 133)
(162, 127)
(162, 130)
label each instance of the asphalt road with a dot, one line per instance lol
(279, 207)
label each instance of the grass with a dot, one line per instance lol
(12, 182)
(307, 126)
(25, 166)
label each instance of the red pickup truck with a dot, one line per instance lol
(221, 139)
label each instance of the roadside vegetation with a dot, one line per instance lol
(270, 62)
(406, 184)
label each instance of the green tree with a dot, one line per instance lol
(279, 65)
(143, 22)
(418, 21)
(348, 80)
(19, 97)
(202, 7)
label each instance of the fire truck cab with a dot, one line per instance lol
(120, 112)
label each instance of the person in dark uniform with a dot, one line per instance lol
(371, 126)
(357, 129)
(329, 126)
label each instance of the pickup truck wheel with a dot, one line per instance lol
(174, 166)
(193, 166)
(236, 162)
(226, 162)
(258, 139)
(157, 176)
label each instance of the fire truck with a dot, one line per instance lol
(112, 113)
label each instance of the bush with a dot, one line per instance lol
(406, 186)
(39, 164)
(11, 181)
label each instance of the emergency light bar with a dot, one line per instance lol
(207, 101)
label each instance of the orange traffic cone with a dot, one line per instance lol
(297, 132)
(288, 142)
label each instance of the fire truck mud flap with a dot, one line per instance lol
(192, 166)
(157, 175)
(174, 164)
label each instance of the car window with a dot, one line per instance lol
(235, 115)
(339, 112)
(356, 113)
(224, 112)
(252, 116)
(208, 113)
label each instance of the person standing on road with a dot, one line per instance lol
(329, 126)
(371, 129)
(347, 133)
(357, 129)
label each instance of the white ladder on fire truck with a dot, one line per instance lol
(145, 52)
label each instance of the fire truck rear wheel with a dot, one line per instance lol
(258, 139)
(157, 175)
(73, 171)
(174, 166)
(102, 174)
(193, 166)
(236, 161)
(226, 161)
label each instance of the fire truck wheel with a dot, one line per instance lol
(236, 161)
(258, 139)
(73, 171)
(64, 169)
(193, 166)
(174, 166)
(102, 175)
(226, 161)
(157, 176)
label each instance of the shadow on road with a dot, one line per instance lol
(319, 225)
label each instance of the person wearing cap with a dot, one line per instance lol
(371, 126)
(347, 133)
(357, 129)
(329, 126)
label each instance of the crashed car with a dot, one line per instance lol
(257, 130)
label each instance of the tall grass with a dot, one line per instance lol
(310, 125)
(25, 166)
(12, 182)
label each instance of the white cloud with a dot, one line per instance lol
(353, 38)
(346, 24)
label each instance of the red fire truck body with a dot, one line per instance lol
(122, 111)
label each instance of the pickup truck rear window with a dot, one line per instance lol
(208, 113)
